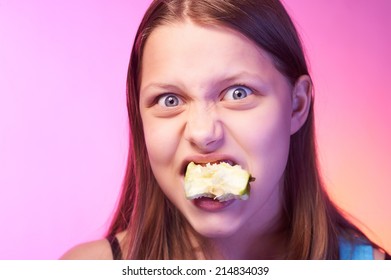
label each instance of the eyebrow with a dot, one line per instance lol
(239, 77)
(165, 86)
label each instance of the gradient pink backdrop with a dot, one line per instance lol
(63, 124)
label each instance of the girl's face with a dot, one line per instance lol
(209, 94)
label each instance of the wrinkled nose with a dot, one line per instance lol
(204, 129)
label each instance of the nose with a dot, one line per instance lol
(204, 130)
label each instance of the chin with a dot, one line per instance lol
(218, 233)
(216, 230)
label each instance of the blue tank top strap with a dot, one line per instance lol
(354, 251)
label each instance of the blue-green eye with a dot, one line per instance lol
(169, 100)
(237, 92)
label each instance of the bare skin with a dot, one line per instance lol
(203, 95)
(94, 250)
(100, 250)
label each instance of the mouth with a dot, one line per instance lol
(215, 180)
(210, 204)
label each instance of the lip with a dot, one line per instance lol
(210, 204)
(203, 159)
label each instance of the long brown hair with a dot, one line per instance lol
(155, 228)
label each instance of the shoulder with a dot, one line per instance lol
(94, 250)
(379, 254)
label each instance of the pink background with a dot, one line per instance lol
(63, 124)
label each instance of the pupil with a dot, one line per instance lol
(238, 94)
(171, 101)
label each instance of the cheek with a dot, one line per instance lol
(270, 136)
(265, 139)
(161, 139)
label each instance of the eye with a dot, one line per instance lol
(237, 92)
(169, 100)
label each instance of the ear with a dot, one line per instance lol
(301, 102)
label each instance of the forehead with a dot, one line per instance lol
(203, 51)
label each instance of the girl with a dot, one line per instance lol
(213, 81)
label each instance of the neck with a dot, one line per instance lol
(264, 246)
(267, 240)
(271, 246)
